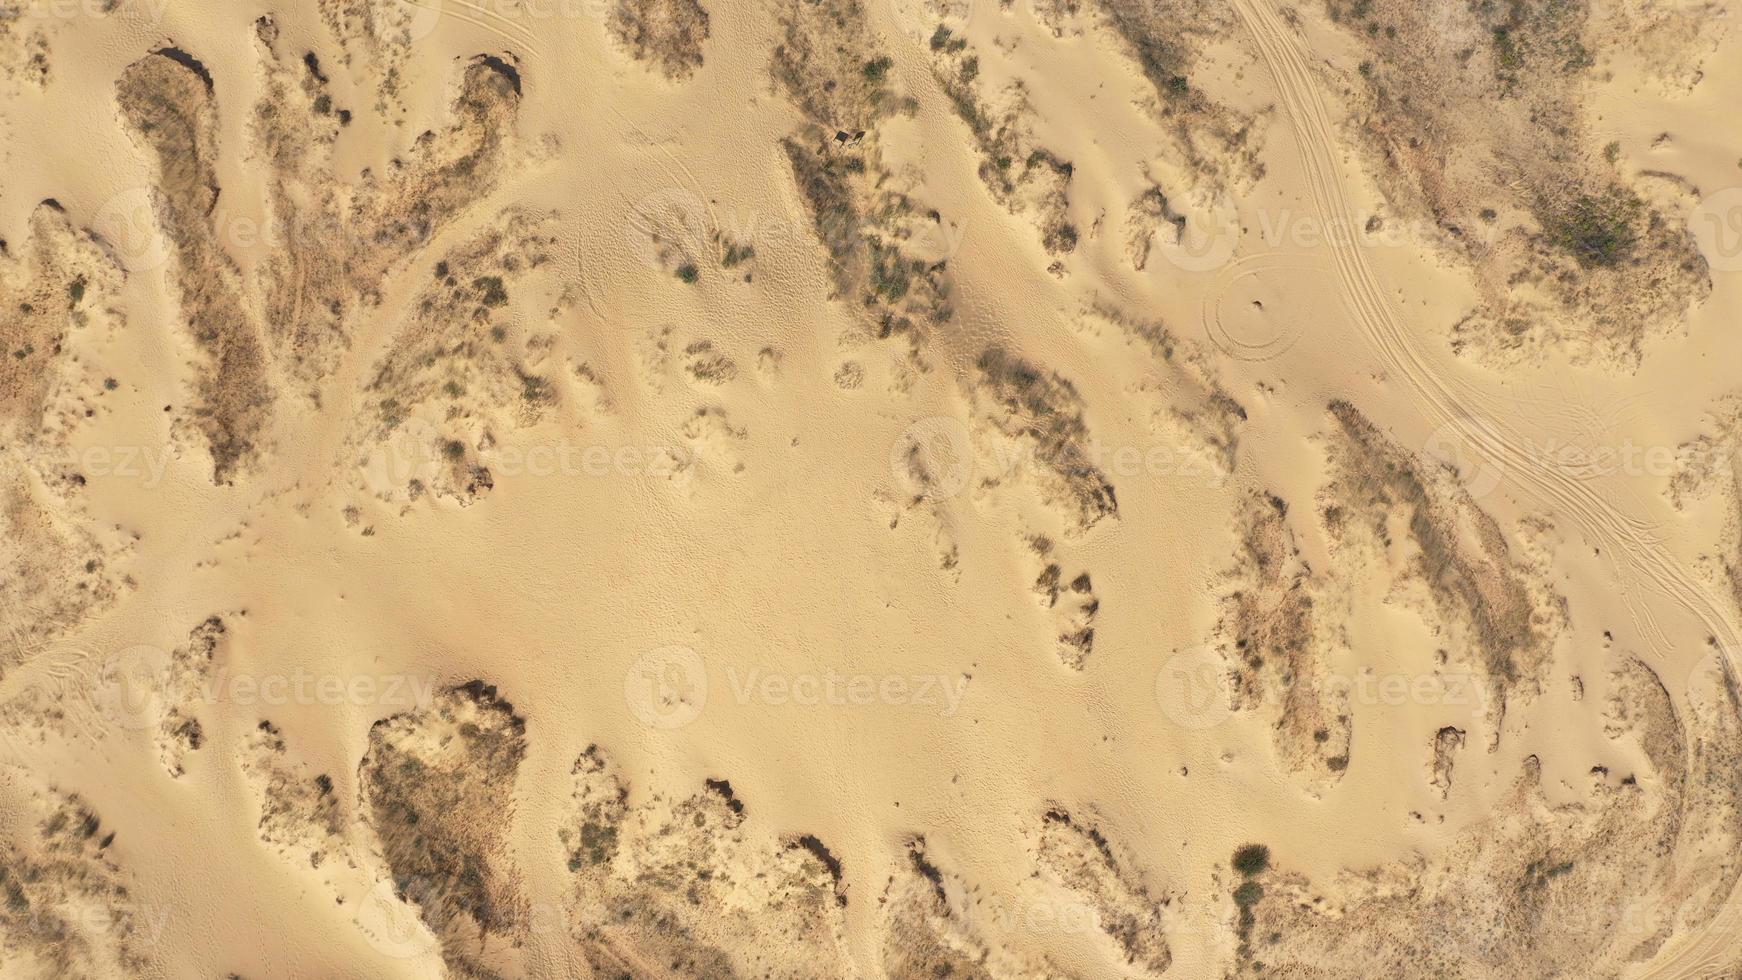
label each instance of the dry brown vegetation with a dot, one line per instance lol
(828, 64)
(1214, 142)
(1022, 175)
(336, 252)
(189, 666)
(1079, 856)
(667, 33)
(1279, 650)
(695, 887)
(301, 815)
(65, 907)
(1042, 413)
(932, 927)
(439, 786)
(1475, 122)
(168, 101)
(1571, 889)
(1461, 554)
(1072, 602)
(54, 568)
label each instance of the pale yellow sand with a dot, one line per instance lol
(948, 611)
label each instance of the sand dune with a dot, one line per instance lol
(870, 488)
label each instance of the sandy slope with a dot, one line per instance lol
(498, 488)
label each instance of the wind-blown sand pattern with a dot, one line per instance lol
(653, 489)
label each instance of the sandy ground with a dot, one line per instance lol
(500, 488)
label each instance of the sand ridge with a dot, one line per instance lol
(869, 488)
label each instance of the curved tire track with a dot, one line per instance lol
(1635, 552)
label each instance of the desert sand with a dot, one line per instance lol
(870, 488)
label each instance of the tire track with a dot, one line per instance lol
(1635, 551)
(484, 19)
(1631, 543)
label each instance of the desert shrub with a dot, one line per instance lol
(1251, 859)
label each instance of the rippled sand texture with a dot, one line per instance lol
(870, 488)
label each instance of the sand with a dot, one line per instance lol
(870, 488)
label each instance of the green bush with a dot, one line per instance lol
(1251, 859)
(1595, 230)
(1248, 894)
